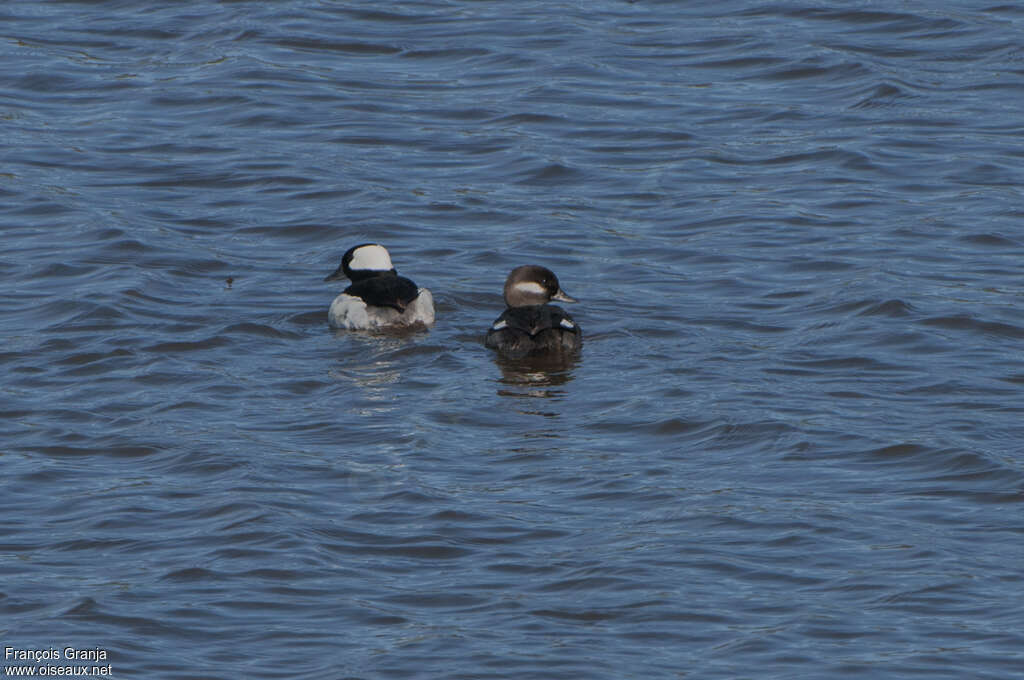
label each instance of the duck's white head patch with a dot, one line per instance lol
(499, 324)
(371, 258)
(565, 323)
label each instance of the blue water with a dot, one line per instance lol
(791, 446)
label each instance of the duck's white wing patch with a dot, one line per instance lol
(565, 323)
(371, 258)
(499, 324)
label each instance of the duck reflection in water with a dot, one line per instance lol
(538, 377)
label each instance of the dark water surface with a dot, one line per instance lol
(793, 446)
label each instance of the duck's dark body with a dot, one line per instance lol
(534, 329)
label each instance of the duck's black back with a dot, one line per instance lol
(385, 290)
(534, 329)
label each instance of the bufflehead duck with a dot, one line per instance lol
(378, 296)
(530, 325)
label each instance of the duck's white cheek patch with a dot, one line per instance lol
(531, 287)
(565, 323)
(498, 325)
(374, 258)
